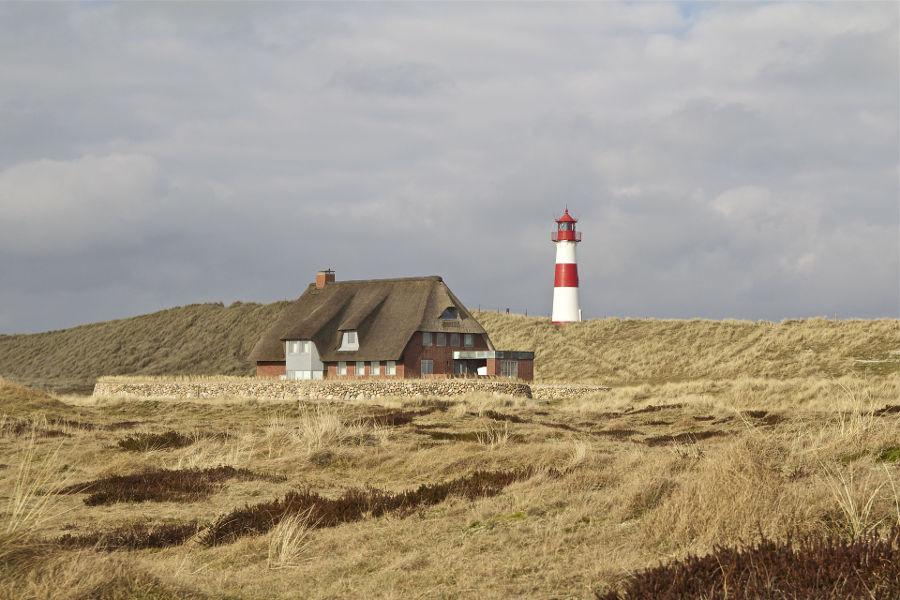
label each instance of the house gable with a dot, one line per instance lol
(385, 313)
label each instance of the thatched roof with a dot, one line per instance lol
(385, 313)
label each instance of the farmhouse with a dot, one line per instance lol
(409, 327)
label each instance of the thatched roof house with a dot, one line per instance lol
(407, 327)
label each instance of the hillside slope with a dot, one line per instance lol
(209, 339)
(615, 351)
(187, 340)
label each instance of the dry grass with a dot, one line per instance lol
(624, 352)
(211, 340)
(289, 540)
(621, 481)
(199, 339)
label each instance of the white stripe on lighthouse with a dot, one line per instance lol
(565, 305)
(565, 252)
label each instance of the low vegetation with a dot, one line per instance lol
(824, 568)
(181, 485)
(188, 340)
(729, 460)
(212, 339)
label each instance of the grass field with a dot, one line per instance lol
(476, 496)
(729, 460)
(211, 339)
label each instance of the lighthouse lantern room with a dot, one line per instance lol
(566, 308)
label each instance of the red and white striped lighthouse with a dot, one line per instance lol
(566, 308)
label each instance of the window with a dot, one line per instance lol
(342, 368)
(454, 340)
(427, 367)
(390, 368)
(360, 368)
(304, 347)
(349, 341)
(442, 339)
(509, 368)
(375, 368)
(426, 338)
(469, 340)
(450, 314)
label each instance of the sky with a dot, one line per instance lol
(724, 160)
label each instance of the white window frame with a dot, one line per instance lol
(390, 367)
(342, 367)
(349, 341)
(427, 367)
(454, 340)
(360, 369)
(304, 347)
(426, 338)
(469, 340)
(509, 368)
(375, 368)
(441, 339)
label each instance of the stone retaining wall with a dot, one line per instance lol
(559, 391)
(313, 390)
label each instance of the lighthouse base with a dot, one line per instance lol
(565, 306)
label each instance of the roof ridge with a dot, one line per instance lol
(389, 279)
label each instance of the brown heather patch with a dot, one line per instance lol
(355, 504)
(143, 442)
(617, 433)
(650, 409)
(822, 568)
(185, 485)
(688, 437)
(134, 536)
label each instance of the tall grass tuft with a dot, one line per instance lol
(289, 540)
(30, 503)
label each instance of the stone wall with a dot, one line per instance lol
(560, 391)
(313, 390)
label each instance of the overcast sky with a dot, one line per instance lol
(724, 160)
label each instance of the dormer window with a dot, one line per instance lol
(450, 314)
(349, 341)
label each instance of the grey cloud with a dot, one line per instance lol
(738, 160)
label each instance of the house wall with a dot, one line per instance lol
(525, 368)
(442, 356)
(303, 362)
(351, 370)
(270, 369)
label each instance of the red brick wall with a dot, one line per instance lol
(351, 370)
(442, 356)
(270, 369)
(526, 368)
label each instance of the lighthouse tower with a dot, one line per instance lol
(566, 308)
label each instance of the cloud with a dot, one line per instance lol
(723, 159)
(55, 206)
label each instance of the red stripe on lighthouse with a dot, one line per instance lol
(566, 275)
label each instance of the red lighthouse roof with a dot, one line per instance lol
(566, 218)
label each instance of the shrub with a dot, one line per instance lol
(354, 504)
(183, 485)
(134, 536)
(826, 568)
(142, 442)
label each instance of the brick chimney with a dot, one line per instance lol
(323, 277)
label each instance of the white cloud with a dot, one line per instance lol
(707, 148)
(53, 206)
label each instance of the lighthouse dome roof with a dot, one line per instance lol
(566, 218)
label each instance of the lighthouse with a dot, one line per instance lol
(566, 308)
